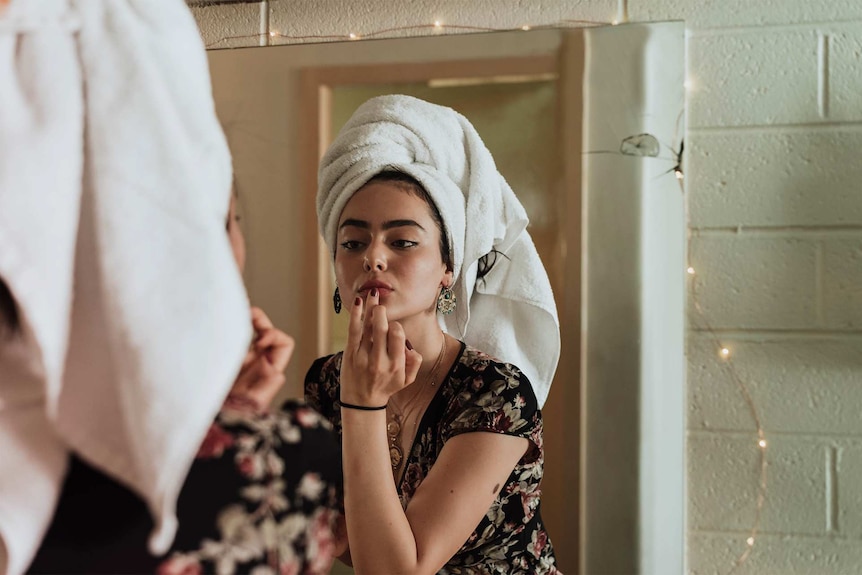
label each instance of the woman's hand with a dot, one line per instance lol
(262, 372)
(377, 362)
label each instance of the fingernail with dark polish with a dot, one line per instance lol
(357, 301)
(408, 344)
(374, 292)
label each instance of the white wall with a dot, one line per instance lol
(773, 169)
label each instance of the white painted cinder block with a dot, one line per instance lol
(228, 25)
(796, 385)
(753, 77)
(776, 178)
(362, 17)
(848, 467)
(700, 14)
(842, 287)
(845, 73)
(715, 554)
(753, 282)
(726, 471)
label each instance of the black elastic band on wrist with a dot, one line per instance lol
(362, 407)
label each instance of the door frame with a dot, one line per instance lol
(561, 483)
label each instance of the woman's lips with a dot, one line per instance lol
(382, 291)
(383, 288)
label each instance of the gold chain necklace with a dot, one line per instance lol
(394, 425)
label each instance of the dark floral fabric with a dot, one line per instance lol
(261, 497)
(276, 513)
(480, 393)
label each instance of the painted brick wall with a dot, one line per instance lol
(774, 177)
(774, 127)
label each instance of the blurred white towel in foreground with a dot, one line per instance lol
(114, 183)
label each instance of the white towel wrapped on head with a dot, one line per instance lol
(114, 190)
(510, 312)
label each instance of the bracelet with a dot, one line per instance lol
(362, 407)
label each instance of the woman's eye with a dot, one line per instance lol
(401, 244)
(350, 245)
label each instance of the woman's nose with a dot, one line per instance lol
(374, 261)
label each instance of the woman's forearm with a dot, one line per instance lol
(381, 539)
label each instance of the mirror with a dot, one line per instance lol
(543, 100)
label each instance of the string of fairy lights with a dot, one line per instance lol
(276, 38)
(724, 352)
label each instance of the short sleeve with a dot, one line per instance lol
(321, 386)
(496, 397)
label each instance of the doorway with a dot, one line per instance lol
(528, 111)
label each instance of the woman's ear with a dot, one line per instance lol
(448, 278)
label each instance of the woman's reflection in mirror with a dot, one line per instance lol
(437, 394)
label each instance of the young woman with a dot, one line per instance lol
(441, 440)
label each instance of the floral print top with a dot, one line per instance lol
(276, 512)
(262, 496)
(480, 393)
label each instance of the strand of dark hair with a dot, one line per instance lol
(487, 262)
(10, 321)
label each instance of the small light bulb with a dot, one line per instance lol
(690, 271)
(678, 173)
(762, 443)
(750, 541)
(352, 36)
(688, 84)
(725, 352)
(273, 34)
(438, 24)
(525, 27)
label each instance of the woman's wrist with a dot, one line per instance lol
(362, 407)
(368, 400)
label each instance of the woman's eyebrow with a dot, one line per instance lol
(354, 223)
(388, 225)
(401, 223)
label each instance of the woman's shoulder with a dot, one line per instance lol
(323, 366)
(489, 394)
(479, 377)
(480, 362)
(322, 383)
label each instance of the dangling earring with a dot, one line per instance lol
(446, 301)
(336, 301)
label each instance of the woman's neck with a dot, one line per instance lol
(426, 337)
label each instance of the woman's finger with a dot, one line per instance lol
(260, 383)
(354, 327)
(273, 338)
(371, 301)
(396, 341)
(249, 357)
(246, 375)
(281, 352)
(259, 320)
(379, 332)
